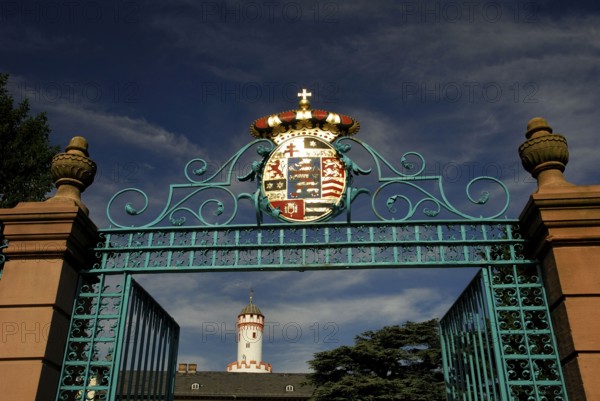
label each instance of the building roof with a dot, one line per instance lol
(242, 385)
(251, 309)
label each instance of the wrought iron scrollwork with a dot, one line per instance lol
(397, 186)
(186, 202)
(397, 193)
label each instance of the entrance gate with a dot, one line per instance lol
(122, 344)
(497, 339)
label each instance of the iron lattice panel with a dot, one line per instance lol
(102, 342)
(497, 340)
(310, 247)
(93, 337)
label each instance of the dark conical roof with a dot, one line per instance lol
(251, 309)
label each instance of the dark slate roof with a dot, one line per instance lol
(240, 385)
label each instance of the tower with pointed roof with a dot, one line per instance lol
(250, 329)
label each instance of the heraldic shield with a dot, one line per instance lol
(304, 178)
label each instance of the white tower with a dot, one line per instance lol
(250, 329)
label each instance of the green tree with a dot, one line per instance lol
(401, 363)
(25, 151)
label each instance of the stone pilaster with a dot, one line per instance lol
(48, 244)
(562, 221)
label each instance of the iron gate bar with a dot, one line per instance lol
(147, 366)
(498, 344)
(98, 346)
(310, 246)
(135, 307)
(469, 321)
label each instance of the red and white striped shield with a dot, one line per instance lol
(304, 178)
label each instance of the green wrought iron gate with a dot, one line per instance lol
(122, 344)
(498, 340)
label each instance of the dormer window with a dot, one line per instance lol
(289, 387)
(195, 386)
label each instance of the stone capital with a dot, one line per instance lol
(49, 230)
(570, 215)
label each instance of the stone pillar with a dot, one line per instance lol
(48, 244)
(562, 221)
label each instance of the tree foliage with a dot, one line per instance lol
(401, 363)
(25, 151)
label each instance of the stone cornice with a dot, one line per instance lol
(569, 216)
(49, 230)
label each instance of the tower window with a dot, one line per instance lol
(247, 345)
(254, 335)
(289, 387)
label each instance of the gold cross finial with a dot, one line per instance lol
(304, 94)
(304, 103)
(251, 294)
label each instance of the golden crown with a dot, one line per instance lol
(304, 122)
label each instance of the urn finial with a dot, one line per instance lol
(544, 154)
(73, 171)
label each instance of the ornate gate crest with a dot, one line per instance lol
(304, 178)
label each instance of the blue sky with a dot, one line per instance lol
(152, 86)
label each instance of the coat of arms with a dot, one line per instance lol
(303, 177)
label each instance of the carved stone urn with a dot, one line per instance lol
(73, 171)
(544, 154)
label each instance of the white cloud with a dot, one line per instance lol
(138, 132)
(71, 115)
(409, 304)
